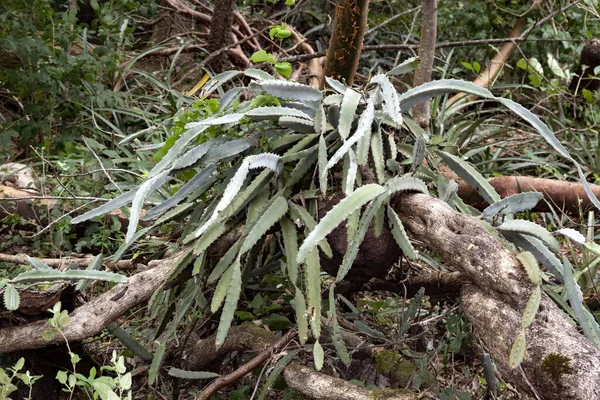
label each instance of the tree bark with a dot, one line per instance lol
(421, 113)
(346, 42)
(220, 28)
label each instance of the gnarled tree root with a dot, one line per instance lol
(495, 301)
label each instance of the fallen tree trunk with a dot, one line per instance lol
(560, 195)
(495, 301)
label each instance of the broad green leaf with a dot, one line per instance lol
(318, 355)
(586, 320)
(225, 262)
(555, 66)
(301, 316)
(338, 341)
(418, 153)
(347, 112)
(573, 235)
(290, 242)
(94, 265)
(233, 295)
(37, 264)
(364, 126)
(377, 152)
(210, 236)
(225, 150)
(471, 177)
(322, 165)
(530, 264)
(349, 173)
(290, 90)
(541, 252)
(531, 308)
(391, 105)
(406, 183)
(358, 237)
(512, 204)
(203, 179)
(115, 203)
(337, 215)
(193, 155)
(175, 152)
(146, 189)
(336, 85)
(517, 352)
(129, 342)
(156, 363)
(424, 92)
(309, 222)
(400, 235)
(530, 228)
(313, 289)
(12, 300)
(274, 113)
(194, 375)
(221, 290)
(270, 216)
(72, 274)
(218, 81)
(405, 67)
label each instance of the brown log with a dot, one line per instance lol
(561, 195)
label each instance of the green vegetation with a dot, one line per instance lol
(247, 212)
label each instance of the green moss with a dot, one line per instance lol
(556, 365)
(388, 393)
(392, 365)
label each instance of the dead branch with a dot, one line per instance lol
(61, 263)
(89, 319)
(315, 68)
(495, 301)
(245, 369)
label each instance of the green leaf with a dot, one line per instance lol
(391, 105)
(290, 241)
(364, 126)
(313, 288)
(94, 265)
(156, 363)
(471, 177)
(377, 152)
(359, 236)
(11, 298)
(405, 67)
(290, 90)
(283, 361)
(406, 183)
(337, 215)
(233, 295)
(539, 250)
(72, 274)
(531, 308)
(194, 375)
(530, 228)
(338, 341)
(347, 112)
(301, 315)
(424, 92)
(586, 320)
(309, 222)
(38, 264)
(284, 68)
(512, 204)
(274, 113)
(270, 216)
(263, 56)
(517, 352)
(400, 235)
(322, 165)
(221, 290)
(129, 342)
(318, 355)
(530, 264)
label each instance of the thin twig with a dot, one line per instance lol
(101, 165)
(61, 262)
(246, 368)
(392, 19)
